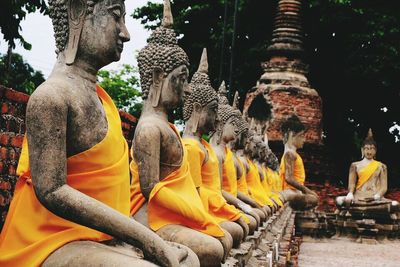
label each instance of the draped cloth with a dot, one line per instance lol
(229, 177)
(256, 189)
(174, 200)
(298, 172)
(210, 189)
(366, 173)
(268, 184)
(31, 232)
(241, 182)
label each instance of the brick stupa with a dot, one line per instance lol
(284, 83)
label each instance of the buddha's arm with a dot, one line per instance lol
(289, 176)
(147, 155)
(352, 178)
(248, 200)
(383, 181)
(47, 147)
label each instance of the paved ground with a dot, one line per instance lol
(347, 253)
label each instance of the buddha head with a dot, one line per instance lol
(163, 66)
(243, 126)
(201, 101)
(253, 144)
(293, 132)
(227, 127)
(368, 149)
(93, 31)
(271, 160)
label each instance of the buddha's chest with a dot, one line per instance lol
(86, 125)
(171, 152)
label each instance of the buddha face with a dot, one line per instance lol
(208, 117)
(298, 139)
(173, 86)
(262, 151)
(251, 147)
(104, 33)
(229, 131)
(369, 151)
(271, 160)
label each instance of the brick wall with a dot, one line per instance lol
(12, 129)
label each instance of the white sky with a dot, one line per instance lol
(38, 31)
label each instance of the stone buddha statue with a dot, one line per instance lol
(163, 194)
(368, 181)
(72, 197)
(200, 112)
(292, 168)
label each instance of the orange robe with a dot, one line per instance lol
(366, 173)
(31, 232)
(241, 183)
(298, 172)
(208, 173)
(174, 200)
(229, 177)
(255, 186)
(268, 183)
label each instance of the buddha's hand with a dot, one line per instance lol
(171, 255)
(349, 197)
(245, 208)
(377, 197)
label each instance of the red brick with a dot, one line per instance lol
(4, 139)
(5, 185)
(16, 96)
(127, 117)
(3, 153)
(2, 201)
(2, 169)
(4, 108)
(17, 140)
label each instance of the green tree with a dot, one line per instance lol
(123, 88)
(12, 13)
(20, 76)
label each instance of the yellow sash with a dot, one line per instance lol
(268, 176)
(366, 173)
(256, 189)
(174, 200)
(298, 172)
(31, 232)
(229, 177)
(241, 183)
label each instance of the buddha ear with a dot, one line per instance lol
(158, 78)
(196, 115)
(76, 17)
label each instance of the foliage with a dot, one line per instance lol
(12, 13)
(351, 45)
(21, 76)
(123, 88)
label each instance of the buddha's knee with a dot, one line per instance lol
(340, 200)
(209, 250)
(235, 230)
(267, 210)
(89, 253)
(252, 225)
(262, 214)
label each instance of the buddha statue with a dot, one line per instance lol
(163, 194)
(292, 169)
(368, 181)
(71, 202)
(252, 149)
(200, 112)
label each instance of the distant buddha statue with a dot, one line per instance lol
(200, 113)
(367, 180)
(163, 194)
(72, 196)
(292, 168)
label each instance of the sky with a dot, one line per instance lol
(38, 31)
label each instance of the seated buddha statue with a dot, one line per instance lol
(72, 200)
(292, 168)
(163, 194)
(200, 113)
(253, 178)
(368, 182)
(267, 177)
